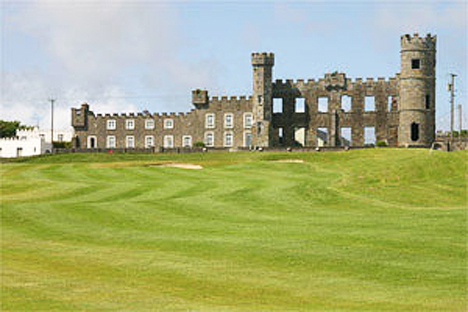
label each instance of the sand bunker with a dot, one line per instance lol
(178, 165)
(289, 161)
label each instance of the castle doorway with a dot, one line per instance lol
(92, 142)
(414, 131)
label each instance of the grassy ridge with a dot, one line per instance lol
(371, 230)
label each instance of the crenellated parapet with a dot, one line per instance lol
(409, 43)
(264, 58)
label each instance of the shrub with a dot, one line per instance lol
(199, 144)
(381, 144)
(62, 144)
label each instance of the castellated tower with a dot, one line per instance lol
(262, 98)
(417, 91)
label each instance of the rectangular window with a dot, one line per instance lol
(111, 125)
(168, 123)
(346, 103)
(369, 104)
(322, 137)
(248, 120)
(187, 141)
(228, 139)
(247, 138)
(149, 141)
(428, 101)
(129, 124)
(415, 63)
(389, 103)
(369, 135)
(110, 141)
(345, 136)
(130, 141)
(209, 121)
(60, 137)
(228, 120)
(299, 106)
(323, 104)
(168, 141)
(149, 124)
(19, 152)
(280, 135)
(209, 139)
(277, 105)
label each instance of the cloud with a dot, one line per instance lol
(102, 50)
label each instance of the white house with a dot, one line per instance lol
(60, 135)
(26, 143)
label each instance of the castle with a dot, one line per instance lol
(400, 111)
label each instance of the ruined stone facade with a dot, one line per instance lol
(399, 111)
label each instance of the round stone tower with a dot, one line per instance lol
(417, 91)
(262, 103)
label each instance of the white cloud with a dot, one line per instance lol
(103, 51)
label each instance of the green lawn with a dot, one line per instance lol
(367, 230)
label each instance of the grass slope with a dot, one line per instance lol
(369, 230)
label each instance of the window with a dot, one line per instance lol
(19, 152)
(345, 136)
(209, 139)
(228, 120)
(130, 124)
(428, 101)
(277, 105)
(228, 139)
(300, 105)
(111, 125)
(187, 141)
(247, 138)
(369, 104)
(130, 141)
(323, 104)
(78, 112)
(149, 141)
(209, 121)
(389, 103)
(110, 141)
(369, 135)
(415, 63)
(346, 103)
(149, 124)
(168, 123)
(248, 120)
(322, 136)
(414, 131)
(168, 141)
(280, 135)
(60, 137)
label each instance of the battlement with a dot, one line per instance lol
(415, 42)
(259, 59)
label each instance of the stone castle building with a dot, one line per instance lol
(331, 111)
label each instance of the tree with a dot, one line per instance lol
(8, 128)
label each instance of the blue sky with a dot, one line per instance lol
(122, 56)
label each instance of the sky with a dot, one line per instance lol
(128, 56)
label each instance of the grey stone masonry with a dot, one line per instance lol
(309, 113)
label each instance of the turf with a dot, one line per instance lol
(367, 230)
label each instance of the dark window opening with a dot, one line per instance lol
(280, 136)
(428, 101)
(415, 63)
(414, 131)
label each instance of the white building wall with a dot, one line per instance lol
(26, 143)
(67, 135)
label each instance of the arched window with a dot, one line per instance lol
(414, 131)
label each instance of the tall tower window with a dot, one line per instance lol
(346, 103)
(414, 131)
(428, 101)
(300, 105)
(277, 105)
(415, 63)
(369, 104)
(323, 104)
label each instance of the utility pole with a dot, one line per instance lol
(452, 100)
(52, 122)
(460, 118)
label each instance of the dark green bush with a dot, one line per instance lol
(199, 144)
(381, 144)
